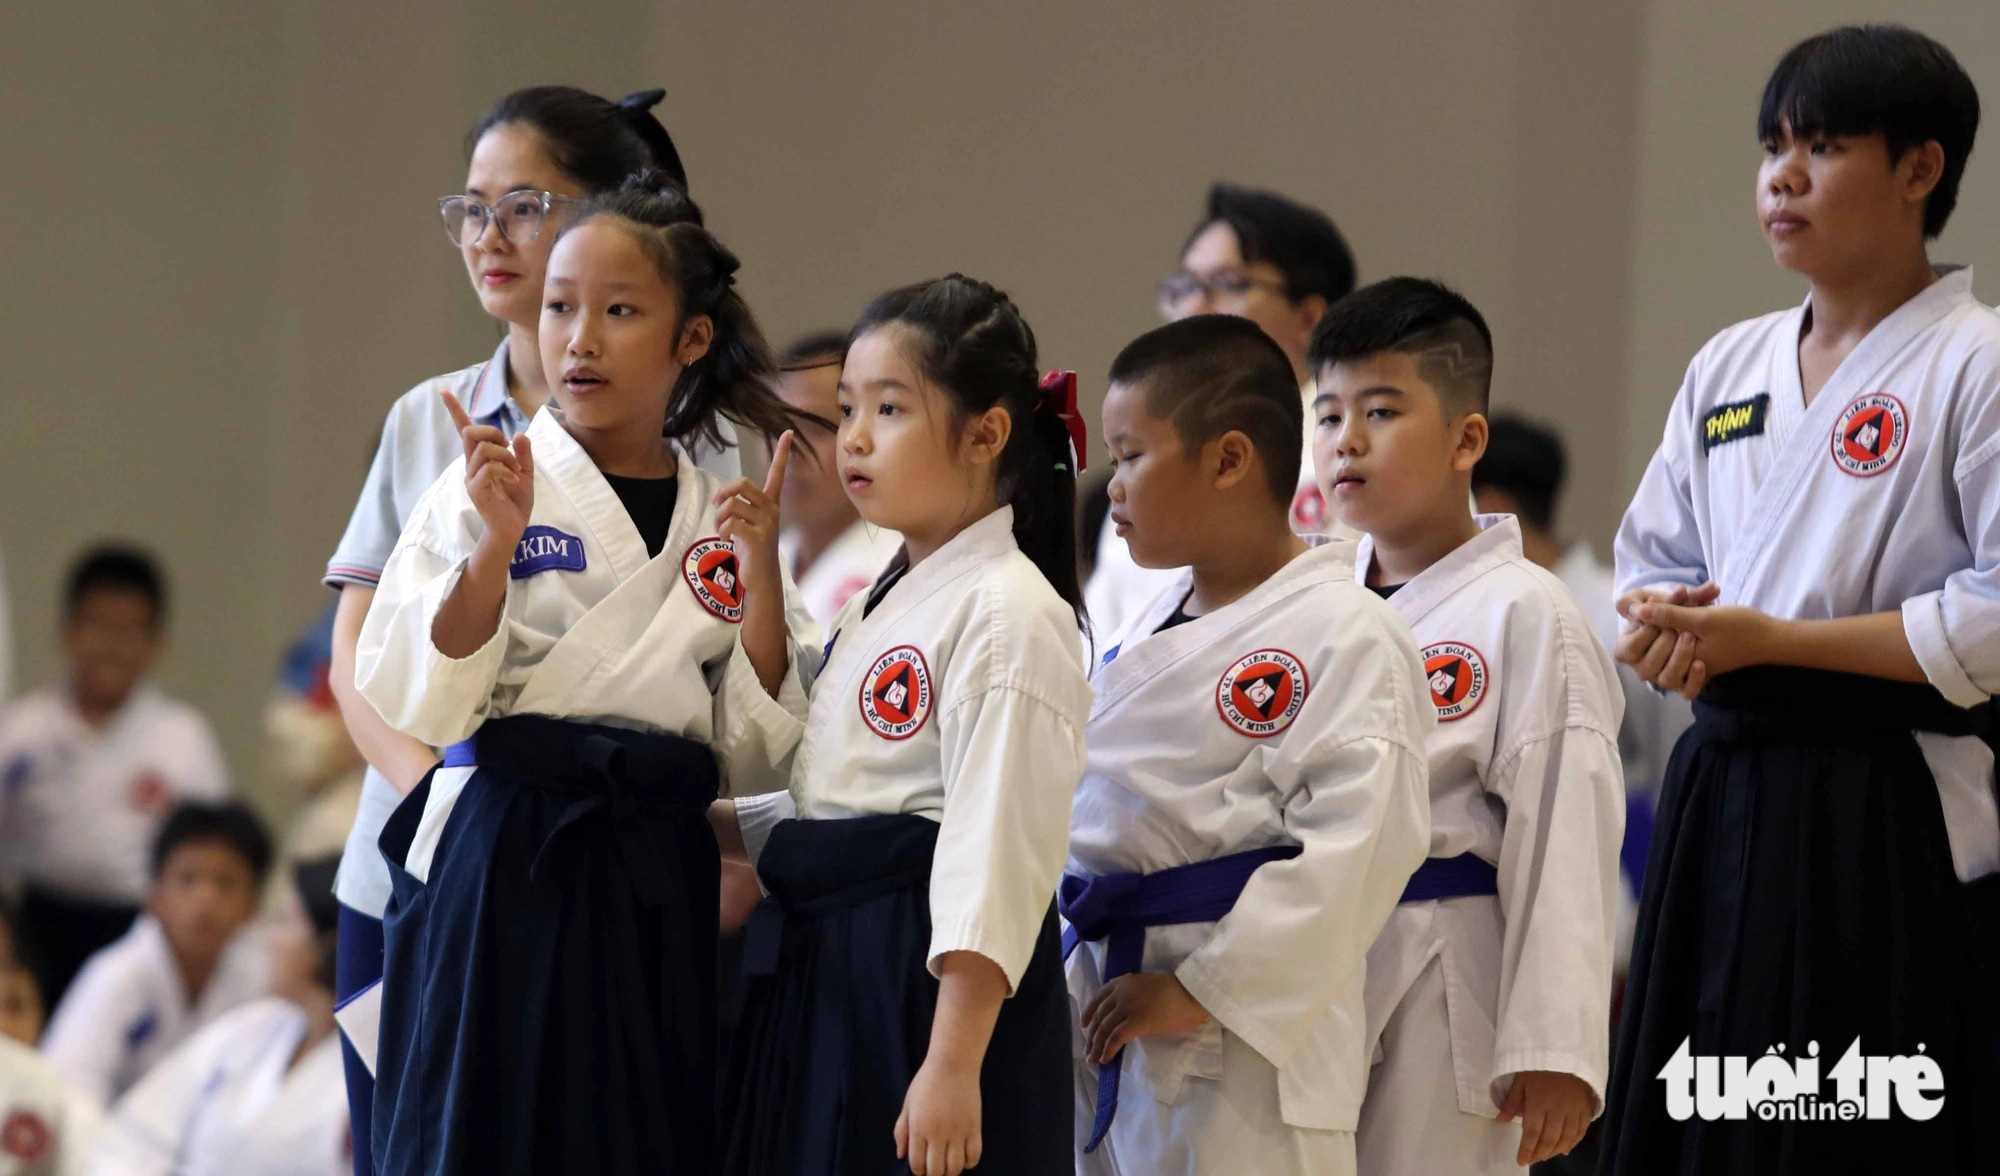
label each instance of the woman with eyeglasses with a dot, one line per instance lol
(534, 157)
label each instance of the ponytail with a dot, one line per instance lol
(593, 141)
(733, 377)
(972, 342)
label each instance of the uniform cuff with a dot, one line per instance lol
(967, 935)
(1923, 625)
(1213, 994)
(339, 575)
(756, 816)
(1511, 1062)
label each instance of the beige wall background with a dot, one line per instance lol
(224, 264)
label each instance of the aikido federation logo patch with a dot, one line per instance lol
(711, 570)
(1457, 676)
(1261, 694)
(1870, 435)
(25, 1136)
(896, 694)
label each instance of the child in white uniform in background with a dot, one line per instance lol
(1255, 795)
(531, 158)
(1489, 991)
(830, 550)
(91, 766)
(259, 1092)
(46, 1127)
(906, 994)
(191, 958)
(603, 635)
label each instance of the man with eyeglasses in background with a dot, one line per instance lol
(1280, 264)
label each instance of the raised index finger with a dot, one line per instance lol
(780, 457)
(460, 420)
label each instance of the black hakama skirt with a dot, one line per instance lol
(549, 991)
(1800, 890)
(839, 1006)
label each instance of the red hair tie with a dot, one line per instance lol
(1059, 398)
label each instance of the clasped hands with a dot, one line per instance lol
(1679, 638)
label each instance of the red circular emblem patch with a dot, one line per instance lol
(710, 569)
(151, 793)
(896, 694)
(1457, 676)
(24, 1136)
(1870, 434)
(1309, 509)
(1261, 694)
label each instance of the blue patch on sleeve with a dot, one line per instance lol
(141, 1029)
(16, 776)
(545, 549)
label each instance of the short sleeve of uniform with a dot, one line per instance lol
(1014, 704)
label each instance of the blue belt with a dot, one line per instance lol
(1463, 876)
(1117, 908)
(459, 755)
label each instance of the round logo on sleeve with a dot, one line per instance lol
(710, 568)
(151, 793)
(1457, 676)
(1261, 694)
(896, 694)
(1309, 509)
(25, 1136)
(1870, 434)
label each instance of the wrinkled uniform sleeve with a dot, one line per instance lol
(1564, 791)
(145, 1134)
(1659, 541)
(1955, 631)
(84, 1042)
(1011, 732)
(416, 689)
(1357, 800)
(755, 733)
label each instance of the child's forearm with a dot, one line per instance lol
(1875, 644)
(401, 759)
(970, 989)
(470, 615)
(765, 639)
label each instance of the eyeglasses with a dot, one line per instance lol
(1180, 289)
(520, 216)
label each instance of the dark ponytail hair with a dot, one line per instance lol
(733, 378)
(594, 141)
(971, 341)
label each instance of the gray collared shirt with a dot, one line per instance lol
(418, 442)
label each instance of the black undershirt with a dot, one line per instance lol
(890, 575)
(1385, 591)
(1177, 618)
(650, 504)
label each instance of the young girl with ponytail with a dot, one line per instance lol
(905, 990)
(601, 634)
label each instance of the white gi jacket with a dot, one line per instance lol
(1524, 773)
(1882, 494)
(1293, 716)
(592, 629)
(961, 698)
(231, 1102)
